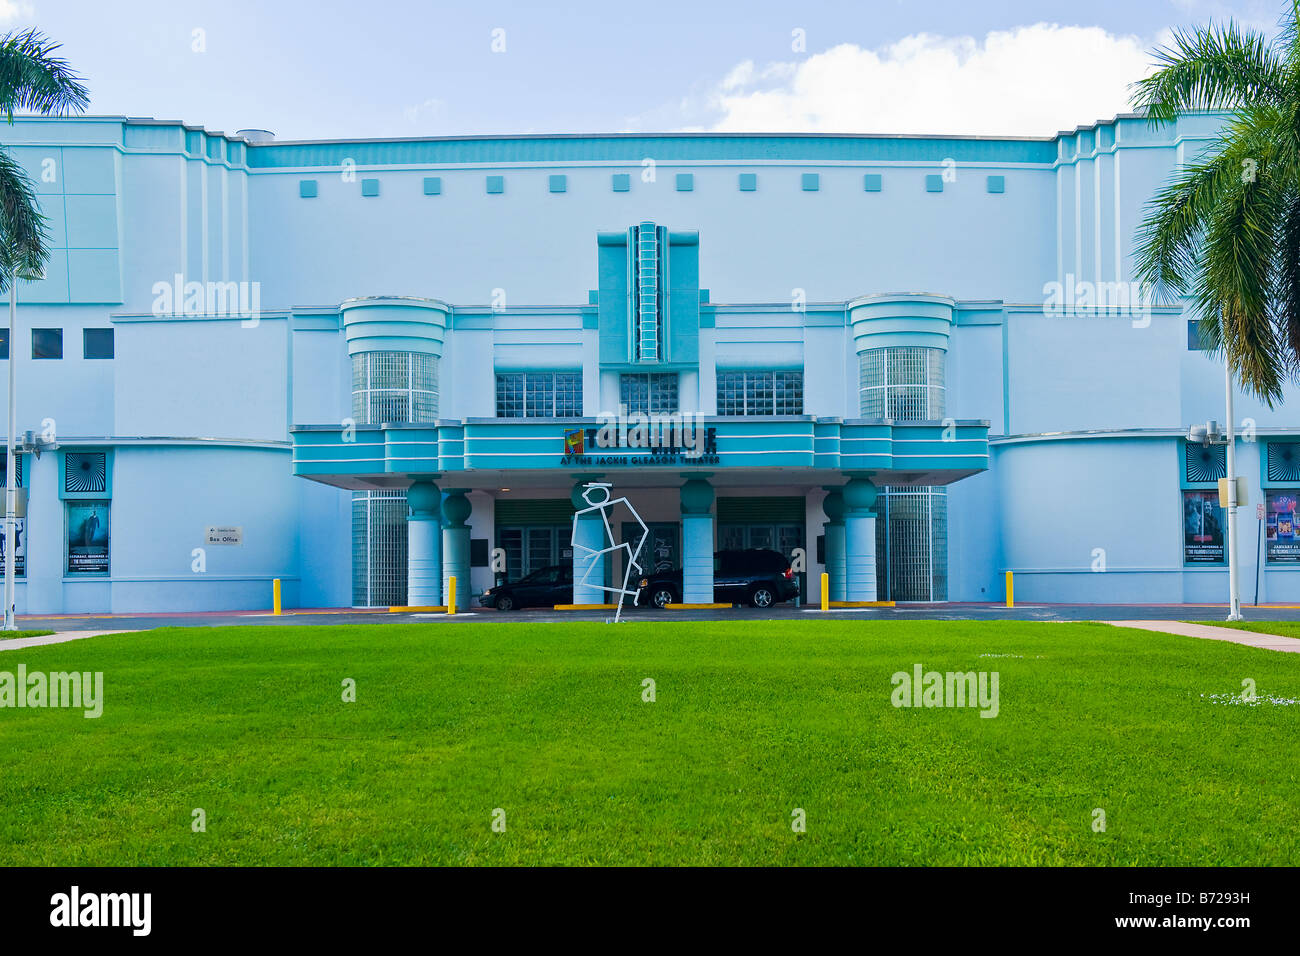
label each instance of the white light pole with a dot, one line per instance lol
(1234, 581)
(11, 491)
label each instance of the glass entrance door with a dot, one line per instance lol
(784, 538)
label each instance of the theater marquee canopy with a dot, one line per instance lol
(484, 453)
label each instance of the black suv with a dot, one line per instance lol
(545, 587)
(757, 577)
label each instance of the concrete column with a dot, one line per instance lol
(455, 545)
(697, 541)
(859, 540)
(833, 505)
(423, 547)
(589, 532)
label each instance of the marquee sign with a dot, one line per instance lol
(606, 446)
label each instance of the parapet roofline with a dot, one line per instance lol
(527, 137)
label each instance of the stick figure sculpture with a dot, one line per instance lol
(597, 496)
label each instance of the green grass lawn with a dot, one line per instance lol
(751, 721)
(14, 635)
(1280, 628)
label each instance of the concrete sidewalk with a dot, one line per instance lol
(1272, 642)
(19, 643)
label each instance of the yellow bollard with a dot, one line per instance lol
(275, 596)
(1011, 591)
(826, 591)
(451, 594)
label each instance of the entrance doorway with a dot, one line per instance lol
(771, 523)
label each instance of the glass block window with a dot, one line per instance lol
(394, 387)
(912, 544)
(539, 394)
(760, 392)
(650, 393)
(379, 548)
(904, 383)
(648, 326)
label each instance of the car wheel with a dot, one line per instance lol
(505, 603)
(662, 596)
(762, 596)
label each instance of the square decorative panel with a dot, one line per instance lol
(1284, 461)
(85, 472)
(1205, 462)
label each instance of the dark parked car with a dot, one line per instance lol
(545, 587)
(757, 577)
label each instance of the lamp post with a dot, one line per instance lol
(1209, 434)
(11, 488)
(11, 491)
(1234, 579)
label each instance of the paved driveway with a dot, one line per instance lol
(909, 612)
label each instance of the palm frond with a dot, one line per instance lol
(1212, 68)
(23, 236)
(1235, 292)
(33, 79)
(1286, 295)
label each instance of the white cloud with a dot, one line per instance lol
(15, 10)
(1032, 80)
(420, 112)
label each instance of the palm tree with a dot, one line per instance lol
(31, 79)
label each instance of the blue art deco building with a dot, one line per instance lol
(365, 366)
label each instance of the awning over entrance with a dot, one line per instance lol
(486, 452)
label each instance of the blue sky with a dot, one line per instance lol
(308, 70)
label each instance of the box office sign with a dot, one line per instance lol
(223, 535)
(88, 537)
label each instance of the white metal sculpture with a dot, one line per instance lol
(597, 496)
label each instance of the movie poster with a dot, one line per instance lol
(1203, 524)
(1283, 542)
(88, 537)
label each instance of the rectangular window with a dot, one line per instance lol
(1203, 525)
(47, 343)
(4, 344)
(1194, 343)
(539, 394)
(1280, 532)
(760, 393)
(97, 343)
(650, 393)
(88, 536)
